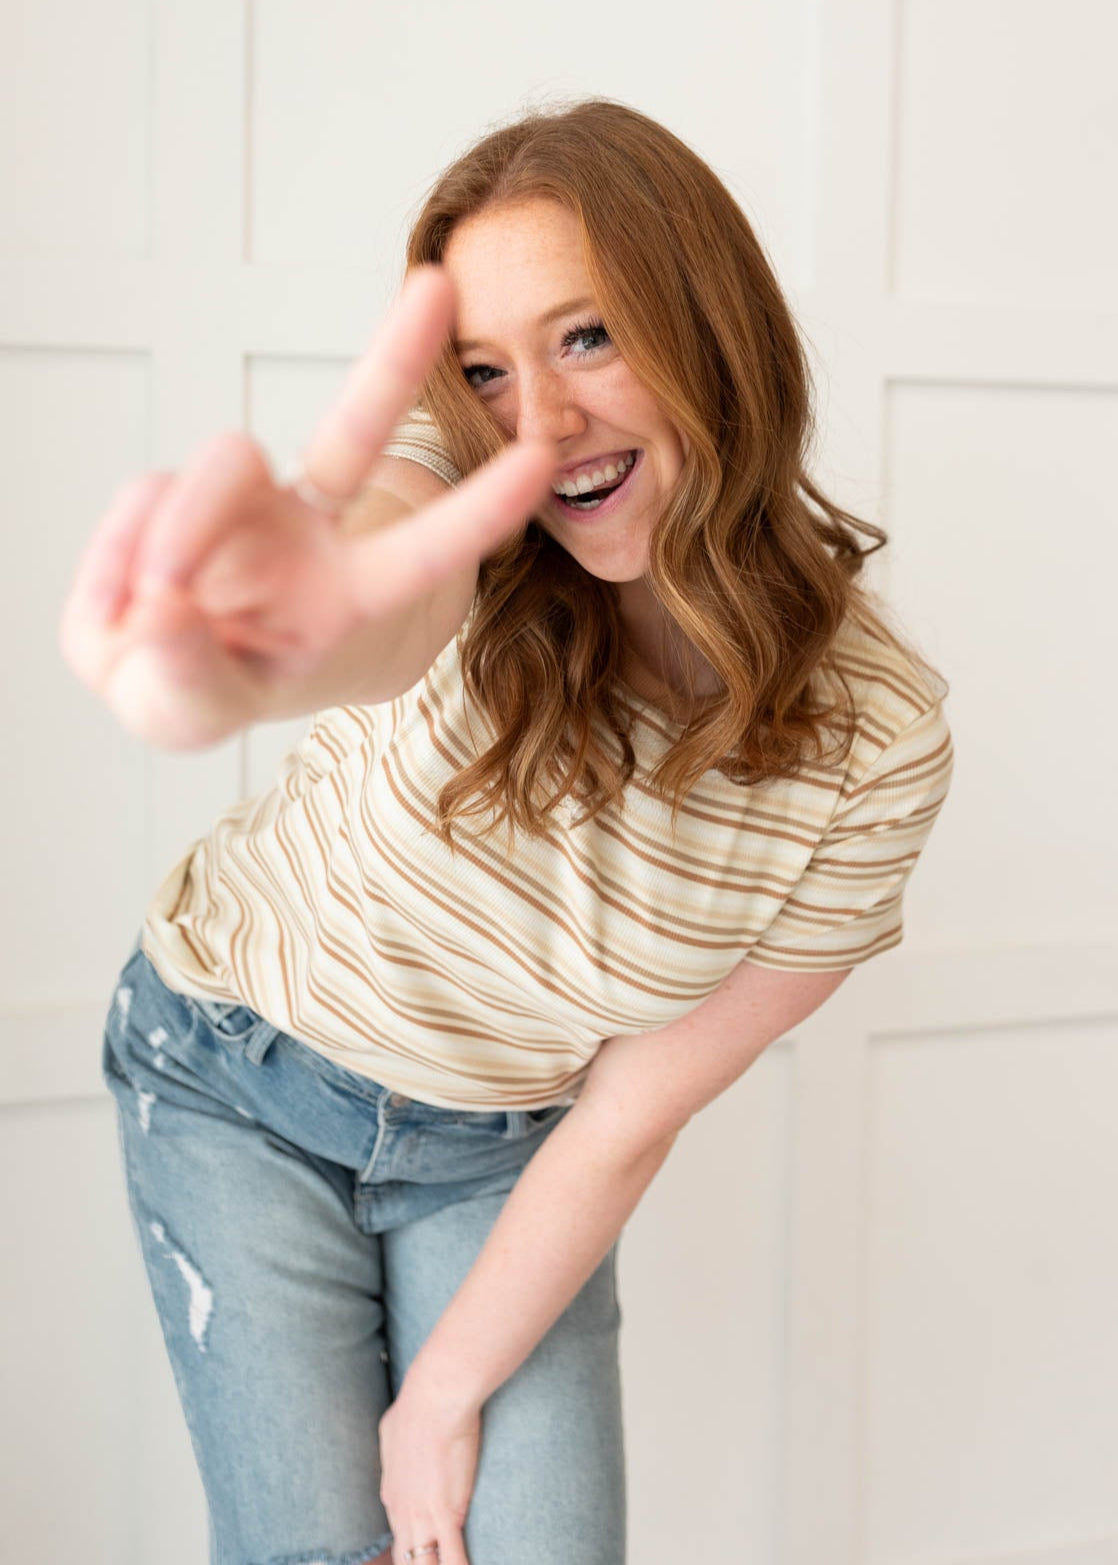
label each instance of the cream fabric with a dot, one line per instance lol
(484, 979)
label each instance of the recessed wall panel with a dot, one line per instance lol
(72, 795)
(1006, 152)
(703, 1282)
(355, 109)
(990, 1362)
(75, 147)
(1004, 548)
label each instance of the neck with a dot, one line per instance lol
(658, 661)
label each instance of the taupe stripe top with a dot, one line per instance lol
(485, 979)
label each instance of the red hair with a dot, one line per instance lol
(753, 563)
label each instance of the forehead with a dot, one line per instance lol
(515, 259)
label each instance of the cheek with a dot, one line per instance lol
(618, 393)
(676, 447)
(646, 415)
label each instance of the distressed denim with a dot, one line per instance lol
(303, 1228)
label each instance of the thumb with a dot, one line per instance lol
(161, 612)
(401, 563)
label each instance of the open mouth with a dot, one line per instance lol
(604, 498)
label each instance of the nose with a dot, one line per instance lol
(546, 407)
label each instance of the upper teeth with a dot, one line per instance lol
(587, 481)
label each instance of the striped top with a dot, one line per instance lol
(483, 978)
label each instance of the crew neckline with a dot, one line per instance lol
(646, 705)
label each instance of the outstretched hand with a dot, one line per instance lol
(203, 592)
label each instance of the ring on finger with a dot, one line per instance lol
(309, 492)
(423, 1548)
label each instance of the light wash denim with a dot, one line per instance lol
(303, 1228)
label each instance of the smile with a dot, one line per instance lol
(606, 496)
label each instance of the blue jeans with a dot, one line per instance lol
(303, 1228)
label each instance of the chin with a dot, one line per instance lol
(618, 576)
(617, 566)
(631, 565)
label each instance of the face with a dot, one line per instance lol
(530, 340)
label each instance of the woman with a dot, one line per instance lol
(594, 807)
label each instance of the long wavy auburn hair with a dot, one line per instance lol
(749, 559)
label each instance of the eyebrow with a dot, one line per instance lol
(546, 319)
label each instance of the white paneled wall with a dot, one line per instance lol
(703, 1278)
(76, 156)
(73, 832)
(868, 1304)
(1006, 547)
(1004, 156)
(989, 1380)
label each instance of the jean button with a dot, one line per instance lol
(396, 1100)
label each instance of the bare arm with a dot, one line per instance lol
(559, 1221)
(562, 1216)
(574, 1197)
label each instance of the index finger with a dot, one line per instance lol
(381, 385)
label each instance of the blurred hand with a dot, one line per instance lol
(201, 593)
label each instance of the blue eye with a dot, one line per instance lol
(592, 336)
(484, 370)
(587, 329)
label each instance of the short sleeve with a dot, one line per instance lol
(418, 439)
(846, 907)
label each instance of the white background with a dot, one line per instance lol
(870, 1301)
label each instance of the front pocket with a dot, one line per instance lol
(549, 1111)
(227, 1017)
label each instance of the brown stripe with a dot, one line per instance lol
(460, 909)
(841, 956)
(536, 901)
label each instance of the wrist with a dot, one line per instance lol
(440, 1386)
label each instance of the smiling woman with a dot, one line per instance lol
(391, 1079)
(556, 375)
(718, 581)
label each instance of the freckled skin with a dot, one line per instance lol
(511, 265)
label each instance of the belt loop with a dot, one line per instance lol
(517, 1123)
(259, 1041)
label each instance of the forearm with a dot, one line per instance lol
(559, 1221)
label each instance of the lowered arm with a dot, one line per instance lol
(646, 1086)
(575, 1195)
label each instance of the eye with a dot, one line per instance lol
(591, 334)
(483, 371)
